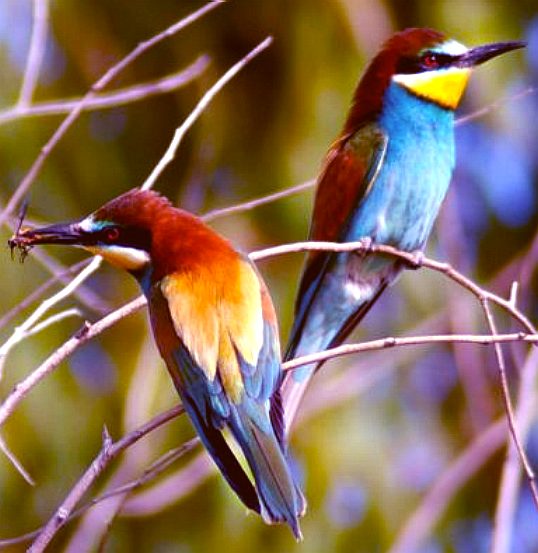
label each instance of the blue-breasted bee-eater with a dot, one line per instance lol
(215, 327)
(383, 180)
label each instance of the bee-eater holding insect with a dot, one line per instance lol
(215, 327)
(383, 180)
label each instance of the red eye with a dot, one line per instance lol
(112, 234)
(430, 61)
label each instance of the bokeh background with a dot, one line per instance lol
(377, 431)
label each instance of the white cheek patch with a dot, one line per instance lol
(130, 259)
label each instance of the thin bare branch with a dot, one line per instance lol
(89, 298)
(514, 290)
(24, 330)
(531, 477)
(511, 476)
(494, 106)
(262, 200)
(269, 198)
(392, 342)
(413, 260)
(15, 462)
(67, 348)
(38, 292)
(309, 246)
(172, 488)
(53, 319)
(150, 473)
(199, 109)
(156, 468)
(99, 85)
(108, 452)
(120, 97)
(36, 51)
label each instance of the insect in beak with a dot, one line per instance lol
(17, 241)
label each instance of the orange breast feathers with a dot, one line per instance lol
(216, 309)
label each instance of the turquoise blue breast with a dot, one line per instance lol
(404, 201)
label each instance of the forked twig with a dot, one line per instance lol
(87, 332)
(418, 260)
(508, 402)
(109, 451)
(91, 330)
(25, 329)
(99, 85)
(389, 342)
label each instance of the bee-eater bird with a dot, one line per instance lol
(383, 180)
(215, 327)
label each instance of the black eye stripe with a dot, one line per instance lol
(410, 65)
(130, 237)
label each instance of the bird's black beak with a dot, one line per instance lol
(480, 54)
(63, 233)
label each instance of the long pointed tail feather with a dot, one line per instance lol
(223, 457)
(280, 498)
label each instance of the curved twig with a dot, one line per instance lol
(128, 95)
(199, 109)
(108, 452)
(99, 85)
(86, 333)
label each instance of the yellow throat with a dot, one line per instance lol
(444, 87)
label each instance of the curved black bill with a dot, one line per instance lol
(64, 233)
(480, 54)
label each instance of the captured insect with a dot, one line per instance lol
(18, 241)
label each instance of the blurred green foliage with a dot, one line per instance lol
(367, 457)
